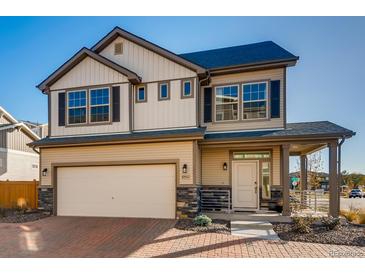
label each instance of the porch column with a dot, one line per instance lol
(303, 179)
(285, 179)
(303, 172)
(334, 203)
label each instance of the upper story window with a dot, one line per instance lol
(99, 105)
(76, 107)
(226, 103)
(255, 100)
(187, 89)
(163, 91)
(141, 94)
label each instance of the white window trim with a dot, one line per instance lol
(260, 100)
(145, 94)
(215, 103)
(99, 105)
(68, 108)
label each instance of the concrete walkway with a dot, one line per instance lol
(254, 229)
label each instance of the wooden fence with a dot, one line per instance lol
(18, 194)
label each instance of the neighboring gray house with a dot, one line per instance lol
(18, 162)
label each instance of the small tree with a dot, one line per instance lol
(314, 166)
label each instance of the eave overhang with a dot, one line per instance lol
(123, 138)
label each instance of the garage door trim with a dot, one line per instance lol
(54, 167)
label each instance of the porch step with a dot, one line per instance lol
(253, 229)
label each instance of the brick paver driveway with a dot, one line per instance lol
(127, 237)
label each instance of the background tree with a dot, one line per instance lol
(353, 180)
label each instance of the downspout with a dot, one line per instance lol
(339, 166)
(199, 105)
(36, 151)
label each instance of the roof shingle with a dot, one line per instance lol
(263, 52)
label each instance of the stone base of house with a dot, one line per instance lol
(45, 199)
(187, 202)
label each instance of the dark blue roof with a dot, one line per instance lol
(191, 132)
(263, 52)
(292, 130)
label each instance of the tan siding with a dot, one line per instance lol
(183, 151)
(276, 166)
(89, 72)
(274, 74)
(122, 126)
(175, 112)
(197, 164)
(147, 64)
(212, 166)
(16, 140)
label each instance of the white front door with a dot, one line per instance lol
(244, 184)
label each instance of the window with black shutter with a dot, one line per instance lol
(116, 104)
(61, 109)
(208, 105)
(275, 99)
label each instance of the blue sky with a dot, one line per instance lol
(326, 84)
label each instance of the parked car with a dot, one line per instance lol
(356, 193)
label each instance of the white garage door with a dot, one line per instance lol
(117, 191)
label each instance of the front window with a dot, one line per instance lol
(266, 193)
(254, 100)
(99, 105)
(251, 155)
(226, 101)
(141, 94)
(163, 91)
(76, 107)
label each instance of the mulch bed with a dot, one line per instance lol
(217, 226)
(345, 234)
(13, 216)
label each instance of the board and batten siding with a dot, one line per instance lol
(212, 166)
(147, 64)
(89, 72)
(172, 113)
(182, 151)
(115, 127)
(238, 78)
(15, 139)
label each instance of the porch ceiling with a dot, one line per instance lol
(304, 149)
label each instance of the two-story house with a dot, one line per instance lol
(136, 130)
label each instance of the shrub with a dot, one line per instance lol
(202, 220)
(350, 215)
(330, 222)
(361, 217)
(303, 224)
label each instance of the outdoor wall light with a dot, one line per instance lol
(185, 168)
(225, 166)
(44, 172)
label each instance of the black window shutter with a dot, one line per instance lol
(207, 105)
(116, 103)
(275, 98)
(61, 108)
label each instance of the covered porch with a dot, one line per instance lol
(249, 171)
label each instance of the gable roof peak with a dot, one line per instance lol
(76, 59)
(119, 32)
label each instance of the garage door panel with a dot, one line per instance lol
(117, 191)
